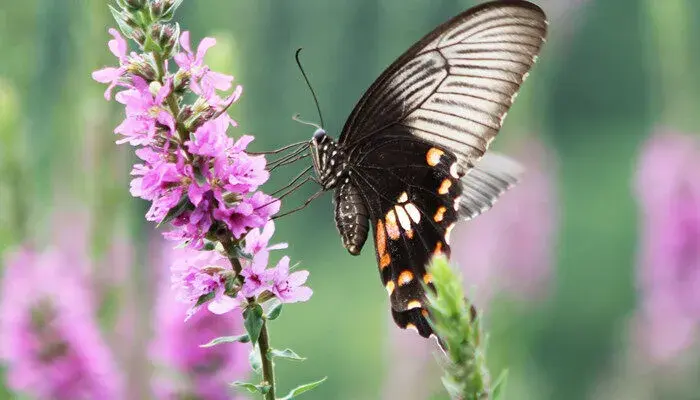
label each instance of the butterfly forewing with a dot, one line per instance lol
(455, 86)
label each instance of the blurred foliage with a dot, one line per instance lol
(595, 95)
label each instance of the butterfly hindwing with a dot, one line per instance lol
(411, 204)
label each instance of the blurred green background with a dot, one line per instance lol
(611, 72)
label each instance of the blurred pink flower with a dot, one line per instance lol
(49, 339)
(509, 250)
(668, 192)
(185, 370)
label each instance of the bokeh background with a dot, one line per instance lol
(587, 273)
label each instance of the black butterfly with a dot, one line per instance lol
(410, 161)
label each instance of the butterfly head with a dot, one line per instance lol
(329, 160)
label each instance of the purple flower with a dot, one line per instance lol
(257, 279)
(668, 191)
(201, 274)
(191, 226)
(144, 111)
(183, 368)
(203, 82)
(111, 75)
(289, 287)
(251, 212)
(256, 243)
(210, 139)
(49, 340)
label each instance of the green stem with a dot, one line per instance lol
(267, 367)
(264, 339)
(172, 103)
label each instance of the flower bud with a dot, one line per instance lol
(231, 199)
(139, 37)
(142, 67)
(185, 113)
(165, 37)
(164, 10)
(132, 5)
(181, 81)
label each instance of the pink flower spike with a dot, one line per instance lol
(288, 287)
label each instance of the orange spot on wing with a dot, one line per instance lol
(440, 214)
(425, 313)
(384, 260)
(445, 186)
(438, 249)
(433, 156)
(413, 304)
(427, 278)
(390, 287)
(405, 277)
(392, 228)
(381, 238)
(409, 234)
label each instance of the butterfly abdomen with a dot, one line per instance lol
(351, 217)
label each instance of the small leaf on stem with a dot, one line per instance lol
(303, 389)
(288, 354)
(251, 387)
(254, 359)
(227, 339)
(253, 321)
(274, 312)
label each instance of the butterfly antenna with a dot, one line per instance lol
(306, 78)
(296, 117)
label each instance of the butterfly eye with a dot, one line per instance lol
(319, 135)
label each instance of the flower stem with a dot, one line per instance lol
(267, 367)
(172, 102)
(268, 370)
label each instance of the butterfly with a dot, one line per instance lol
(412, 158)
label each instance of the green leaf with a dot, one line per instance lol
(251, 387)
(288, 354)
(227, 339)
(254, 359)
(499, 385)
(121, 22)
(253, 321)
(303, 389)
(174, 212)
(274, 312)
(204, 298)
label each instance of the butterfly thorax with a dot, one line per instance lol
(330, 161)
